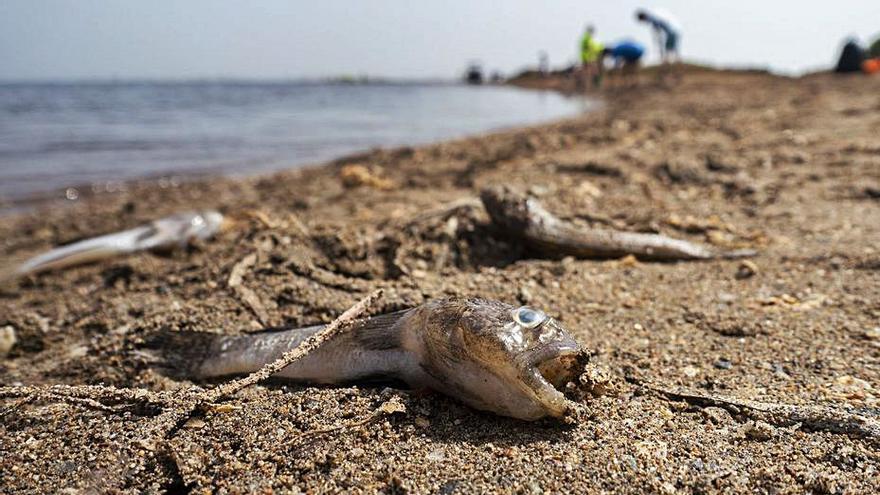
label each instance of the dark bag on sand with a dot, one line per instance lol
(851, 58)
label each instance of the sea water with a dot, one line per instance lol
(59, 135)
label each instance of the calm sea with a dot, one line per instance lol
(53, 136)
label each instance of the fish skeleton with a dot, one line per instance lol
(524, 218)
(487, 354)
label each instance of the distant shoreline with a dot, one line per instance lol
(233, 81)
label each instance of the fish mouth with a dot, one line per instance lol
(547, 370)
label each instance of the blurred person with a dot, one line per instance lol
(543, 63)
(871, 65)
(870, 57)
(851, 57)
(667, 33)
(591, 55)
(874, 49)
(474, 73)
(626, 57)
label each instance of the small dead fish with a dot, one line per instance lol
(165, 233)
(524, 218)
(488, 354)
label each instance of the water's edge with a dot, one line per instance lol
(74, 191)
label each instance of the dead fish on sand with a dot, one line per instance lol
(487, 354)
(524, 218)
(165, 233)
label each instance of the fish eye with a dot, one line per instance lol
(528, 317)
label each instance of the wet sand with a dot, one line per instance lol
(787, 166)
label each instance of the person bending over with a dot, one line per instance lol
(626, 56)
(667, 34)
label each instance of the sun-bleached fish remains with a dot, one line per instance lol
(165, 233)
(523, 218)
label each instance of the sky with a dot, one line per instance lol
(284, 39)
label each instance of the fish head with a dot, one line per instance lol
(182, 228)
(204, 224)
(513, 211)
(506, 207)
(501, 358)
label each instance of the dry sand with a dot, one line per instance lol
(789, 166)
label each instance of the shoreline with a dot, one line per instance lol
(262, 130)
(781, 165)
(82, 193)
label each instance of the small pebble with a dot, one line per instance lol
(628, 261)
(715, 415)
(726, 297)
(195, 424)
(7, 340)
(779, 371)
(538, 190)
(746, 269)
(758, 430)
(525, 296)
(690, 371)
(587, 188)
(435, 455)
(723, 364)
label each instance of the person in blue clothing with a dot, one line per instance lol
(666, 30)
(625, 52)
(626, 56)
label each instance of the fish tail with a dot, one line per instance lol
(190, 354)
(199, 355)
(85, 251)
(181, 354)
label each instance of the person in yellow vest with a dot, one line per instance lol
(591, 58)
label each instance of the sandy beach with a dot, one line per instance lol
(790, 167)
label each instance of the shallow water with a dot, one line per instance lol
(57, 135)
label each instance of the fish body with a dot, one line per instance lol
(165, 233)
(524, 218)
(490, 355)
